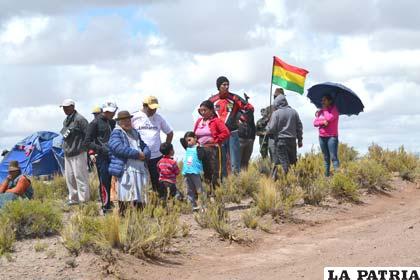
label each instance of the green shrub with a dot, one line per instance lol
(140, 233)
(7, 236)
(55, 189)
(346, 154)
(343, 187)
(263, 166)
(278, 197)
(400, 161)
(250, 219)
(308, 171)
(369, 174)
(33, 218)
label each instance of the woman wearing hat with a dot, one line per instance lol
(128, 155)
(15, 186)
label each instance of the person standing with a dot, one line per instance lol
(211, 133)
(230, 108)
(98, 134)
(149, 124)
(246, 132)
(75, 157)
(285, 127)
(261, 132)
(128, 156)
(326, 120)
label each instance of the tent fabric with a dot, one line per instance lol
(38, 154)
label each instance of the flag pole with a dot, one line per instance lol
(271, 86)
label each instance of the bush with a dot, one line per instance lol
(55, 189)
(346, 154)
(308, 170)
(277, 198)
(7, 236)
(250, 219)
(140, 233)
(369, 174)
(400, 161)
(263, 166)
(33, 218)
(217, 218)
(343, 187)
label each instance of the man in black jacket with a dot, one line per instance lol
(97, 138)
(75, 157)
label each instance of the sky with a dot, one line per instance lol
(123, 50)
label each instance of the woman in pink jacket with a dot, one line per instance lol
(327, 122)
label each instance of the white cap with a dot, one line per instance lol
(67, 102)
(109, 106)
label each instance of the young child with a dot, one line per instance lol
(168, 170)
(192, 168)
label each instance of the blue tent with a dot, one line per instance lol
(38, 154)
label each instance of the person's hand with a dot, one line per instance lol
(92, 158)
(300, 144)
(141, 156)
(9, 177)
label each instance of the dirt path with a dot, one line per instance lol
(383, 232)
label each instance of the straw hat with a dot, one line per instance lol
(14, 165)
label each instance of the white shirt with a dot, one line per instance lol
(149, 129)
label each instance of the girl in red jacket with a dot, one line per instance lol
(211, 132)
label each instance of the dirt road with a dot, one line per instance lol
(384, 231)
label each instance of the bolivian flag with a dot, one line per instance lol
(287, 76)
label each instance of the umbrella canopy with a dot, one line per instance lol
(346, 101)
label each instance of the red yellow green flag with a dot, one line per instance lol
(287, 76)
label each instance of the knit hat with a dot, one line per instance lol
(14, 165)
(220, 81)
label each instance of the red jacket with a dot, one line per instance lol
(231, 109)
(218, 129)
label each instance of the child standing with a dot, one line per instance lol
(168, 170)
(192, 169)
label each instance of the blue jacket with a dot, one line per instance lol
(120, 150)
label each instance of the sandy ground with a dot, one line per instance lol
(382, 231)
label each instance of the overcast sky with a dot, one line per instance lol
(123, 50)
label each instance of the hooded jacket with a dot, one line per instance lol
(284, 121)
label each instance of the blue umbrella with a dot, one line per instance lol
(347, 102)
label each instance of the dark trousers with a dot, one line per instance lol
(247, 146)
(212, 166)
(285, 154)
(163, 190)
(154, 174)
(102, 165)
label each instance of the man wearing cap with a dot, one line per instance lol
(149, 124)
(75, 157)
(231, 109)
(96, 111)
(98, 133)
(15, 185)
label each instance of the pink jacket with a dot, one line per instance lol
(330, 115)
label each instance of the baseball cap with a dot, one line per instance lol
(67, 102)
(109, 106)
(151, 102)
(96, 110)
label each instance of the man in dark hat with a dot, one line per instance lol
(15, 186)
(231, 109)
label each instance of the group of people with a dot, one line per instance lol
(280, 132)
(128, 152)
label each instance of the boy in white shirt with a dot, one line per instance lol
(149, 124)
